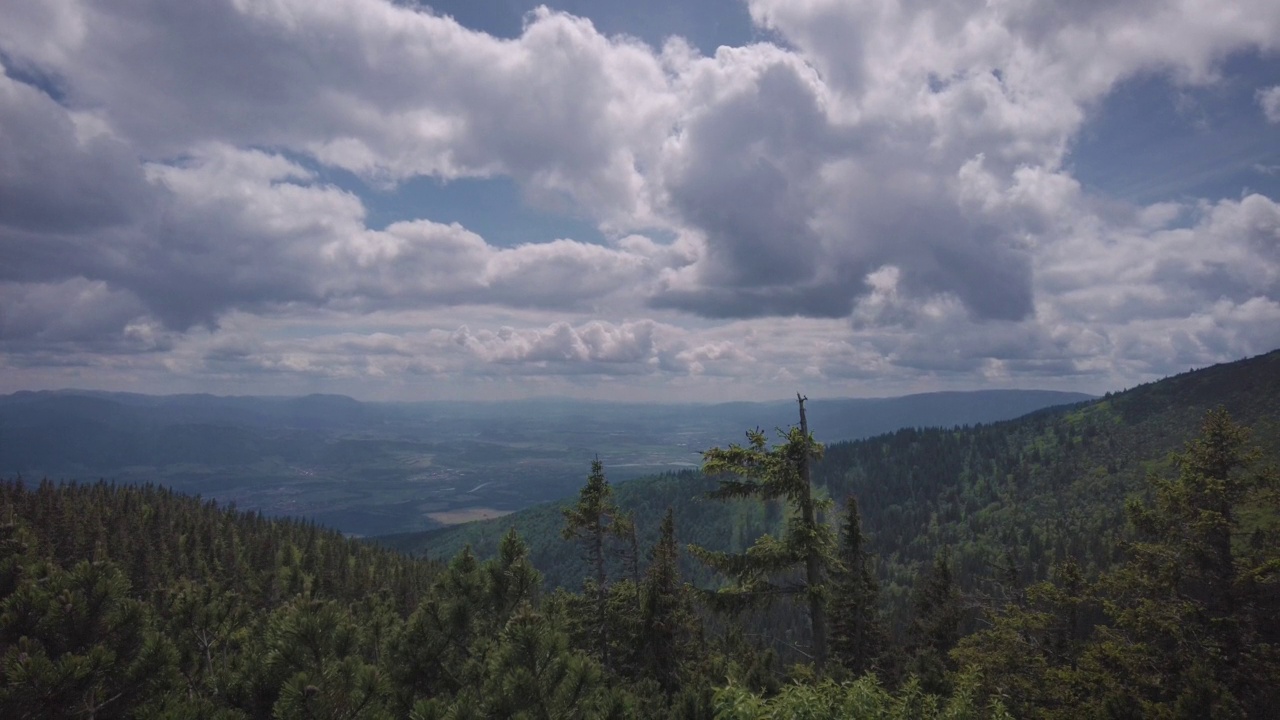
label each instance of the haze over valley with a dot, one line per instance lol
(378, 468)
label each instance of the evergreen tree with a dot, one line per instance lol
(767, 569)
(536, 675)
(447, 645)
(670, 628)
(593, 521)
(1194, 611)
(863, 698)
(208, 626)
(510, 578)
(73, 644)
(437, 652)
(857, 633)
(1187, 627)
(1030, 656)
(935, 625)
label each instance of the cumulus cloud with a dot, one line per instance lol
(74, 312)
(897, 174)
(1269, 101)
(1139, 294)
(384, 90)
(592, 348)
(1113, 273)
(245, 229)
(593, 342)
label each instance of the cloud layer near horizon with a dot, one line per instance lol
(881, 199)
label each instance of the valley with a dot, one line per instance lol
(380, 468)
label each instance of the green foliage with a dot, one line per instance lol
(227, 615)
(1183, 627)
(864, 698)
(935, 626)
(671, 632)
(1190, 608)
(857, 633)
(594, 521)
(1031, 655)
(772, 567)
(137, 602)
(75, 645)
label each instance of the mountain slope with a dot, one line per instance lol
(1021, 493)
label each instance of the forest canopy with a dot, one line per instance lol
(135, 601)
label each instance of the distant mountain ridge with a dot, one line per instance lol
(108, 427)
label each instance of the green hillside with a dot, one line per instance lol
(1026, 493)
(134, 602)
(1117, 558)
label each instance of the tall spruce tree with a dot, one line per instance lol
(795, 564)
(1029, 655)
(669, 625)
(935, 625)
(857, 632)
(1194, 605)
(594, 520)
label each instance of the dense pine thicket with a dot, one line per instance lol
(138, 602)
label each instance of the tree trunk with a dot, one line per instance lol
(813, 563)
(602, 632)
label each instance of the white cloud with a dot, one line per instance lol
(891, 179)
(251, 230)
(593, 342)
(1269, 101)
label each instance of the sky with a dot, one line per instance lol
(664, 201)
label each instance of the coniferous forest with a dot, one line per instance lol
(1118, 558)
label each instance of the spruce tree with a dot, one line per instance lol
(935, 625)
(857, 632)
(768, 569)
(593, 521)
(1194, 606)
(669, 625)
(1030, 654)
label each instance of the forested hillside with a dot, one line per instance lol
(136, 602)
(1119, 558)
(1015, 496)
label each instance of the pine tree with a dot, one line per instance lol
(447, 646)
(73, 644)
(207, 625)
(857, 632)
(765, 571)
(535, 675)
(436, 653)
(511, 579)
